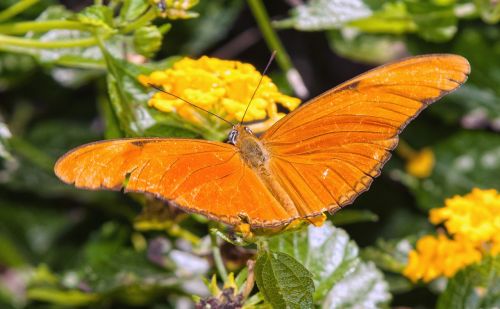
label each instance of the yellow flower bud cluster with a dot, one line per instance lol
(472, 221)
(175, 9)
(220, 86)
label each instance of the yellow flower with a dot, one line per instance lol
(475, 216)
(439, 256)
(221, 86)
(473, 221)
(421, 163)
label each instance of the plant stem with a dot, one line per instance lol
(219, 264)
(16, 9)
(274, 43)
(143, 20)
(40, 26)
(21, 42)
(405, 151)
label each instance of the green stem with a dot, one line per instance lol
(40, 26)
(219, 264)
(143, 20)
(274, 43)
(21, 42)
(272, 39)
(16, 9)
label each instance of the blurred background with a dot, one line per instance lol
(60, 246)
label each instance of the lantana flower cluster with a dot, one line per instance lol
(473, 225)
(221, 86)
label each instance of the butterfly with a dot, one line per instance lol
(318, 158)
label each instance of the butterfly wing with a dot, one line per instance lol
(328, 151)
(199, 176)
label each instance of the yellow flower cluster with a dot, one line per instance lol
(475, 217)
(473, 221)
(220, 86)
(438, 256)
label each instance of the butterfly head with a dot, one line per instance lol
(237, 132)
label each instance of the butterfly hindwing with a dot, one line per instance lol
(327, 152)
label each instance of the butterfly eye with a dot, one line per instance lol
(233, 135)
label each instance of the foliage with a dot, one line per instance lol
(69, 75)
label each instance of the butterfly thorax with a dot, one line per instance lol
(257, 157)
(251, 148)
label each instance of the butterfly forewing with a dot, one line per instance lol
(328, 151)
(199, 176)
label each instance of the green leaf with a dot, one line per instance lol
(463, 161)
(98, 16)
(364, 288)
(325, 14)
(476, 103)
(79, 57)
(59, 297)
(435, 22)
(476, 286)
(331, 257)
(327, 252)
(365, 47)
(349, 216)
(132, 9)
(489, 10)
(129, 103)
(388, 255)
(147, 40)
(391, 17)
(283, 281)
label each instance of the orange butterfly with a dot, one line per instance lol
(316, 159)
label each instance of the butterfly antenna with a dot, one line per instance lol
(260, 81)
(193, 105)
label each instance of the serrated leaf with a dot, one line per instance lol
(132, 9)
(325, 14)
(330, 256)
(476, 286)
(364, 288)
(466, 160)
(284, 282)
(326, 252)
(99, 16)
